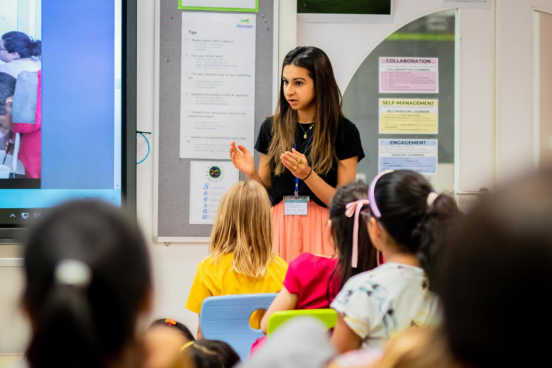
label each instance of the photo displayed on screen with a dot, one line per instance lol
(20, 95)
(61, 105)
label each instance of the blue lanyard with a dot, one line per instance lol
(296, 178)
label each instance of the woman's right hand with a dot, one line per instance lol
(242, 159)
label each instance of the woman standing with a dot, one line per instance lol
(308, 149)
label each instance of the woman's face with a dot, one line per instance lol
(298, 87)
(6, 56)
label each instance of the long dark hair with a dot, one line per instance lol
(90, 323)
(22, 44)
(417, 227)
(328, 112)
(342, 235)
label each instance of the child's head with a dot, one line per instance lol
(347, 203)
(307, 82)
(17, 45)
(497, 276)
(88, 281)
(243, 226)
(417, 347)
(163, 342)
(168, 323)
(212, 354)
(408, 217)
(7, 90)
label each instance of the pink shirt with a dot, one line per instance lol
(308, 277)
(30, 146)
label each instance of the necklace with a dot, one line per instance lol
(306, 131)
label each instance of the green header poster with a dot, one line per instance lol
(251, 6)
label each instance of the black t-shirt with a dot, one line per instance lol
(347, 144)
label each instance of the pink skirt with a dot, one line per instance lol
(294, 235)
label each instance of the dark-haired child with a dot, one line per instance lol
(163, 342)
(84, 310)
(211, 354)
(407, 221)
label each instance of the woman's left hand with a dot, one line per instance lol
(297, 163)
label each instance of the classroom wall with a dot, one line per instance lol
(174, 266)
(347, 45)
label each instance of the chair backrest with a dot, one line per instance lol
(24, 106)
(327, 316)
(226, 318)
(25, 98)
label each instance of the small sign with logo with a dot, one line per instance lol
(209, 180)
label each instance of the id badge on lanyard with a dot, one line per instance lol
(296, 205)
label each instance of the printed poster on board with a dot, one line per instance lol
(418, 155)
(408, 75)
(217, 84)
(408, 116)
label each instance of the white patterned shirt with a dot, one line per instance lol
(382, 302)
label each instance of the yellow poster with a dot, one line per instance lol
(408, 116)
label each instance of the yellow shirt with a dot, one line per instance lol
(216, 279)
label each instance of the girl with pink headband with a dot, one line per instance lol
(408, 222)
(313, 281)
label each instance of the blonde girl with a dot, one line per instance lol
(241, 259)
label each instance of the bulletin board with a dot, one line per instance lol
(172, 173)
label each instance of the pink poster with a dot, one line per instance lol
(408, 75)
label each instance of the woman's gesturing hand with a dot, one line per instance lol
(297, 163)
(242, 159)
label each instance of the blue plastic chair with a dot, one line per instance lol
(226, 318)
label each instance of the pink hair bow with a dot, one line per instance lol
(354, 208)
